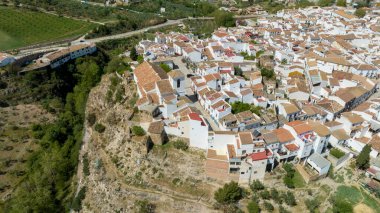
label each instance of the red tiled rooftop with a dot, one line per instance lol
(291, 147)
(259, 156)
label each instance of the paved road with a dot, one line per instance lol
(136, 32)
(33, 50)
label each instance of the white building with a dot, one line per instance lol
(6, 59)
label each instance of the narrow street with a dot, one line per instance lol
(182, 66)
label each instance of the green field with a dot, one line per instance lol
(20, 27)
(355, 196)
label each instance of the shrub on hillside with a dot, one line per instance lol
(100, 128)
(138, 130)
(91, 119)
(181, 145)
(229, 193)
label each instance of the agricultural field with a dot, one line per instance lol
(19, 27)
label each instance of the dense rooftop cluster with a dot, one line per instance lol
(272, 90)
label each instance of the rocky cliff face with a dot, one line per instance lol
(121, 172)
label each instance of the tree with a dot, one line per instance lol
(269, 73)
(144, 206)
(256, 185)
(91, 119)
(268, 206)
(312, 205)
(165, 67)
(77, 203)
(325, 3)
(240, 107)
(140, 59)
(341, 3)
(275, 195)
(238, 71)
(138, 130)
(289, 199)
(265, 195)
(360, 12)
(225, 19)
(288, 179)
(362, 162)
(229, 193)
(253, 207)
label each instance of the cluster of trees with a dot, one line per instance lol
(268, 73)
(360, 12)
(125, 24)
(288, 178)
(325, 3)
(175, 9)
(46, 187)
(225, 19)
(228, 196)
(363, 159)
(231, 193)
(259, 190)
(241, 107)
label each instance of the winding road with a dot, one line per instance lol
(50, 47)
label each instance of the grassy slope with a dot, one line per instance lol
(19, 27)
(355, 196)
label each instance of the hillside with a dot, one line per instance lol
(121, 175)
(41, 132)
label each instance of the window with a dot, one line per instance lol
(178, 83)
(255, 172)
(244, 152)
(242, 173)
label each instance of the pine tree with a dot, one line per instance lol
(362, 162)
(134, 54)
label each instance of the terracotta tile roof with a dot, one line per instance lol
(290, 108)
(352, 117)
(259, 156)
(283, 135)
(164, 87)
(291, 147)
(147, 74)
(300, 127)
(375, 142)
(319, 128)
(245, 138)
(175, 74)
(231, 151)
(340, 134)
